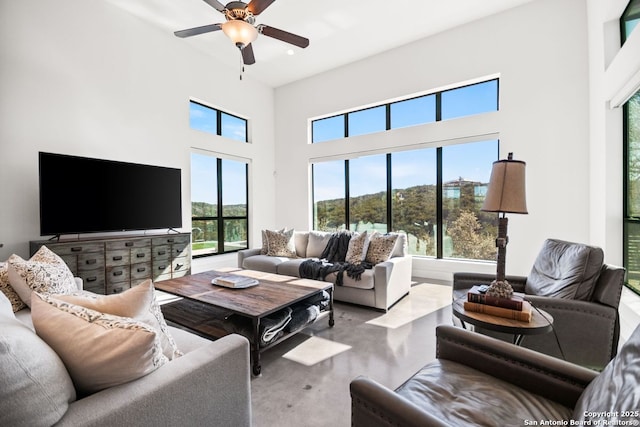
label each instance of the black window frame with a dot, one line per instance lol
(219, 114)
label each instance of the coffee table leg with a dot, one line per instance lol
(257, 368)
(331, 319)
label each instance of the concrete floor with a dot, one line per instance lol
(305, 379)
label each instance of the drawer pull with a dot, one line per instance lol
(179, 266)
(91, 261)
(117, 290)
(162, 267)
(128, 244)
(141, 269)
(91, 279)
(76, 249)
(170, 240)
(117, 273)
(140, 255)
(162, 252)
(117, 258)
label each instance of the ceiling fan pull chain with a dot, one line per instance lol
(241, 64)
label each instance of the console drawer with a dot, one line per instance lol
(118, 274)
(141, 271)
(117, 257)
(128, 244)
(90, 261)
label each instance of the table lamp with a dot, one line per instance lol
(506, 194)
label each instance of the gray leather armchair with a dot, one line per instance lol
(481, 381)
(571, 282)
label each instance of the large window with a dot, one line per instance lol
(433, 194)
(217, 122)
(632, 191)
(219, 214)
(467, 100)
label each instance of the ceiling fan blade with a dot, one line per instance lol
(284, 36)
(256, 7)
(198, 30)
(247, 55)
(215, 4)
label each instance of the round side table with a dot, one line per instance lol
(541, 321)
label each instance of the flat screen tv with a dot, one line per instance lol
(85, 195)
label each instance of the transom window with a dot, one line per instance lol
(629, 19)
(217, 122)
(468, 100)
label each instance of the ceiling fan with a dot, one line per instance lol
(239, 26)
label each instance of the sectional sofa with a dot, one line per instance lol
(206, 383)
(379, 287)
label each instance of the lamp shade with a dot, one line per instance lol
(240, 32)
(506, 192)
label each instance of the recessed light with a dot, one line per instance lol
(290, 52)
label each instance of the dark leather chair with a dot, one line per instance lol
(571, 282)
(481, 381)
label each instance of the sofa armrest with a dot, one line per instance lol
(467, 280)
(246, 253)
(207, 386)
(538, 373)
(372, 404)
(392, 280)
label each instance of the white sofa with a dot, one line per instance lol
(208, 385)
(379, 287)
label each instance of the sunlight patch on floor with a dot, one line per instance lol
(315, 350)
(422, 300)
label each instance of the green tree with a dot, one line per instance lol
(468, 239)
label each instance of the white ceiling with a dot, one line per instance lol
(340, 31)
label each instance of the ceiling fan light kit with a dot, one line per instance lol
(241, 33)
(240, 28)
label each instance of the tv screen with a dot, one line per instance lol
(85, 195)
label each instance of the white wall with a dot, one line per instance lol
(540, 52)
(88, 79)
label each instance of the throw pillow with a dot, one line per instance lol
(317, 242)
(380, 247)
(99, 350)
(265, 244)
(138, 303)
(44, 272)
(358, 245)
(36, 388)
(280, 243)
(16, 303)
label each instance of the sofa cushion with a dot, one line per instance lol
(461, 396)
(280, 243)
(402, 247)
(44, 272)
(357, 250)
(565, 270)
(138, 302)
(99, 350)
(317, 242)
(615, 390)
(265, 248)
(36, 388)
(366, 281)
(380, 247)
(16, 303)
(290, 267)
(301, 241)
(266, 263)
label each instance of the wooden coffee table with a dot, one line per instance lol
(541, 321)
(206, 305)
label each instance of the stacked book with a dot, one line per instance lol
(234, 281)
(515, 308)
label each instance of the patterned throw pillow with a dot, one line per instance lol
(280, 243)
(45, 272)
(358, 245)
(16, 303)
(138, 303)
(380, 247)
(99, 350)
(265, 245)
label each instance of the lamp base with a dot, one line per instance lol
(500, 289)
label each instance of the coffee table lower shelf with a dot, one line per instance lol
(212, 323)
